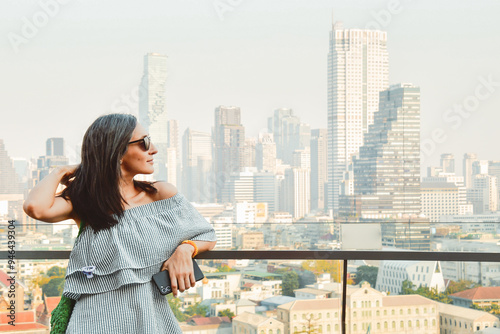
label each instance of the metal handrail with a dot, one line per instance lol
(344, 256)
(299, 255)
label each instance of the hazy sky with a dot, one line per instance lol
(86, 59)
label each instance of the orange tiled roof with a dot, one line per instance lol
(4, 278)
(22, 327)
(480, 293)
(52, 302)
(21, 316)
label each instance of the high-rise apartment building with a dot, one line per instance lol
(8, 178)
(173, 149)
(197, 166)
(319, 142)
(448, 163)
(297, 191)
(152, 108)
(387, 172)
(444, 195)
(229, 139)
(265, 152)
(54, 146)
(289, 132)
(484, 193)
(469, 158)
(247, 153)
(358, 71)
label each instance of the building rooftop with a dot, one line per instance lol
(311, 304)
(245, 302)
(466, 313)
(313, 291)
(261, 274)
(406, 300)
(203, 321)
(480, 293)
(250, 318)
(278, 300)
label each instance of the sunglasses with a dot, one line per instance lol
(146, 142)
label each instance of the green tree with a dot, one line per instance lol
(367, 273)
(56, 271)
(309, 326)
(225, 269)
(407, 288)
(197, 309)
(290, 283)
(332, 267)
(226, 313)
(175, 306)
(54, 287)
(461, 285)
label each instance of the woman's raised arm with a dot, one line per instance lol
(42, 203)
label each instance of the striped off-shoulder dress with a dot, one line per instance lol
(121, 297)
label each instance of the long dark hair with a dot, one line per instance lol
(94, 190)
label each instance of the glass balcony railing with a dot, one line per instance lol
(332, 278)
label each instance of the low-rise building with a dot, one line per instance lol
(254, 323)
(461, 320)
(368, 310)
(480, 296)
(392, 274)
(310, 293)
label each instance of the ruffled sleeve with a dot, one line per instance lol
(133, 250)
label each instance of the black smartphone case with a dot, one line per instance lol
(162, 279)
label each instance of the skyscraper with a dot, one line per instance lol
(448, 163)
(229, 139)
(297, 191)
(173, 152)
(54, 146)
(152, 108)
(318, 167)
(265, 152)
(358, 71)
(289, 132)
(8, 178)
(197, 166)
(469, 158)
(387, 172)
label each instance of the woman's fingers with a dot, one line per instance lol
(192, 279)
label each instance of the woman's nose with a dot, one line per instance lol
(153, 149)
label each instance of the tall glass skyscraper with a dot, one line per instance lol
(387, 172)
(152, 108)
(358, 71)
(229, 139)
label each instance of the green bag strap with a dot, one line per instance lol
(82, 226)
(62, 313)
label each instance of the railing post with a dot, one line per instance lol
(344, 295)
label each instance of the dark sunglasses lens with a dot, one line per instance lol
(147, 143)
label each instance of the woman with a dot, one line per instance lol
(132, 230)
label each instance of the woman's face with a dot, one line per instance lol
(137, 160)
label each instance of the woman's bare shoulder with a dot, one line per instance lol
(165, 190)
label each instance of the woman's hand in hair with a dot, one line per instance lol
(180, 268)
(68, 172)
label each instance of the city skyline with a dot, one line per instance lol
(288, 25)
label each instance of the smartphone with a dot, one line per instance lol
(162, 279)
